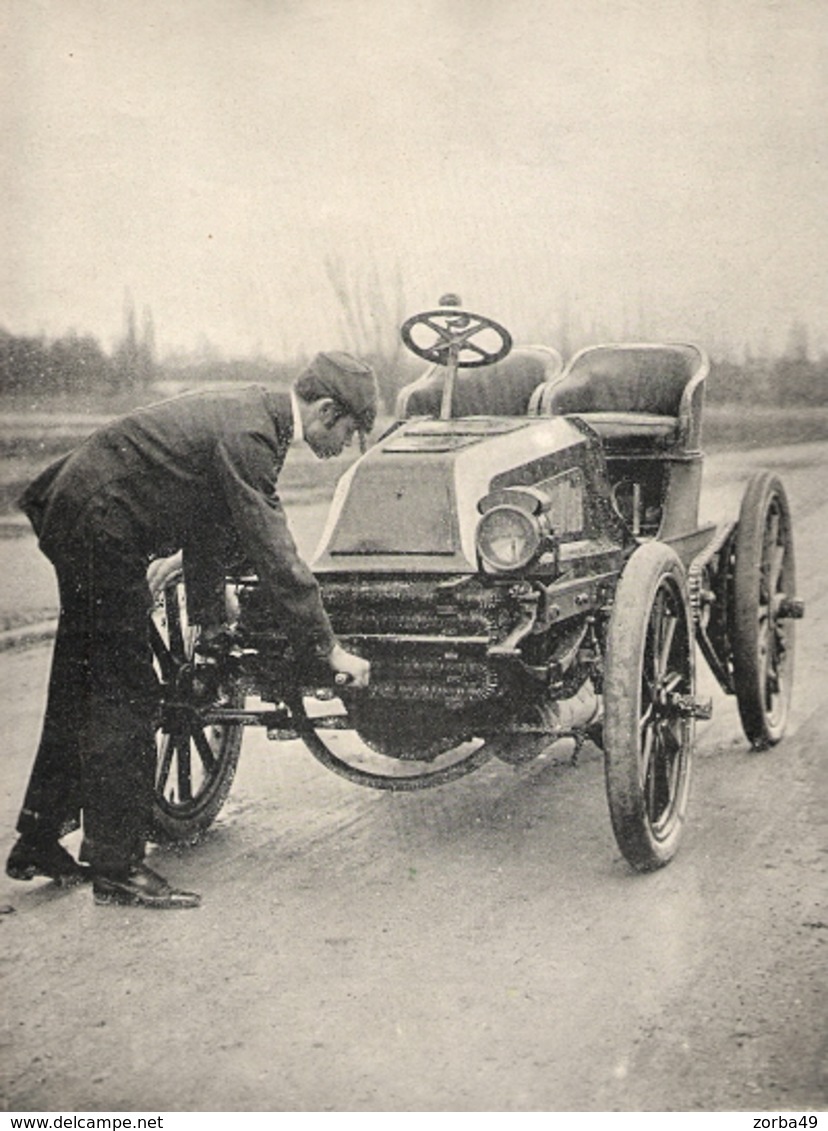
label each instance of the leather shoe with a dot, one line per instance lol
(33, 858)
(141, 887)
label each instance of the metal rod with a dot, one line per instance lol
(438, 641)
(448, 387)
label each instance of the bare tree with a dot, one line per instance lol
(371, 310)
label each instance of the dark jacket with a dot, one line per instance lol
(197, 473)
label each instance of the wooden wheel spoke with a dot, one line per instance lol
(666, 635)
(649, 687)
(647, 743)
(659, 793)
(777, 661)
(162, 653)
(772, 529)
(205, 751)
(773, 656)
(184, 777)
(175, 626)
(763, 609)
(777, 560)
(664, 765)
(166, 752)
(763, 637)
(648, 761)
(670, 739)
(674, 761)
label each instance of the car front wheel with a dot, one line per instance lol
(196, 757)
(649, 687)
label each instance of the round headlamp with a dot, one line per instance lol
(507, 538)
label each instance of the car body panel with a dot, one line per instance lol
(411, 501)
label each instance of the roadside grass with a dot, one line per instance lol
(27, 447)
(731, 427)
(30, 441)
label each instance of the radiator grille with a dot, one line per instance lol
(427, 641)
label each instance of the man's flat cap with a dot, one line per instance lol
(350, 382)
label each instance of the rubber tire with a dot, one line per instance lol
(763, 725)
(645, 843)
(177, 822)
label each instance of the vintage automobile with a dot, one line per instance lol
(520, 558)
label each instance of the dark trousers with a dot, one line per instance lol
(97, 753)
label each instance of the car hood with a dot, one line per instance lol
(410, 503)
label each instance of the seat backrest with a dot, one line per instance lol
(503, 389)
(629, 378)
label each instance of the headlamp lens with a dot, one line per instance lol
(507, 538)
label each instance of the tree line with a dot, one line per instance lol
(76, 365)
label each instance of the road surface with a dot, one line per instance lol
(478, 947)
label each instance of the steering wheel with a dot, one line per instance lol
(447, 335)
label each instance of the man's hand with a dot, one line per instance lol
(354, 668)
(163, 572)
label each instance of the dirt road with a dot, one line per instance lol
(480, 947)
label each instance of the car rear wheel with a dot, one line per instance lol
(195, 760)
(649, 687)
(762, 631)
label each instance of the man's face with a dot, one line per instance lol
(328, 434)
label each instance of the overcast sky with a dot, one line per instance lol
(662, 162)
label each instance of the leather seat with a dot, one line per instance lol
(503, 389)
(631, 425)
(636, 394)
